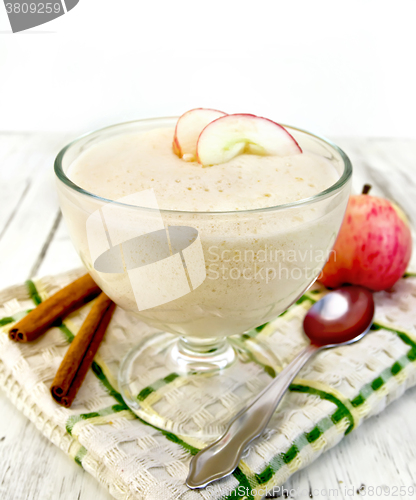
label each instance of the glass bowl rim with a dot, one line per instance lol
(346, 175)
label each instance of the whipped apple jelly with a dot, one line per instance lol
(259, 256)
(133, 162)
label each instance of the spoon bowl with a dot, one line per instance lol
(341, 317)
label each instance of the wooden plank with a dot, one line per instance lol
(13, 185)
(29, 224)
(24, 238)
(388, 165)
(32, 468)
(60, 255)
(24, 155)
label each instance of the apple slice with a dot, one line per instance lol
(231, 135)
(188, 128)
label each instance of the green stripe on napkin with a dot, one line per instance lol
(325, 432)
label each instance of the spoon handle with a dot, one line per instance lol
(221, 457)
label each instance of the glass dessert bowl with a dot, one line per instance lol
(201, 278)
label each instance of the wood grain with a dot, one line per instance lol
(34, 240)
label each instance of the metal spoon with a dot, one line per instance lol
(341, 317)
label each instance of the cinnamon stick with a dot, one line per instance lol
(81, 352)
(55, 307)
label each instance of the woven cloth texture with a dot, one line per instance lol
(333, 394)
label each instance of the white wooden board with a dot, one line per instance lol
(34, 241)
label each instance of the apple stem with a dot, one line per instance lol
(366, 189)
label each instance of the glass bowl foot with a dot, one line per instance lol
(193, 387)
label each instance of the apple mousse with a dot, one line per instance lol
(227, 176)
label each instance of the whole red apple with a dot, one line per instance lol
(373, 247)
